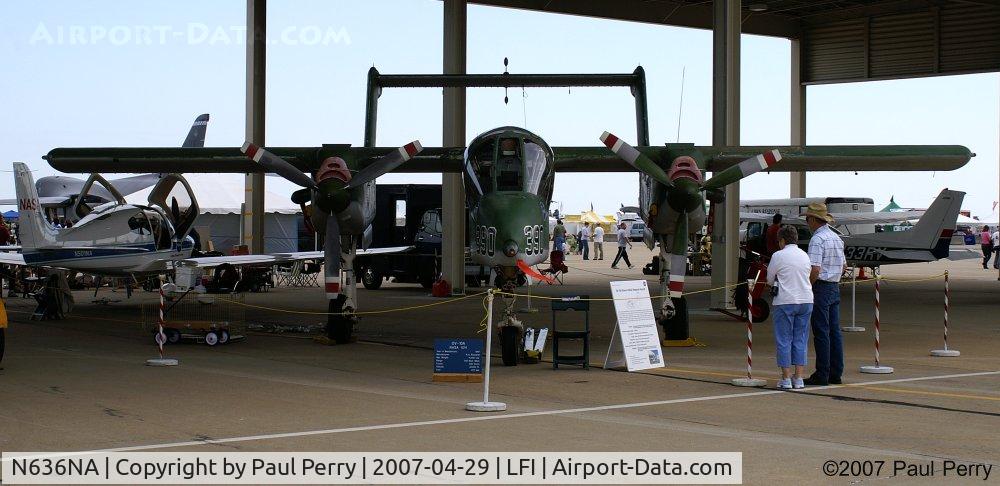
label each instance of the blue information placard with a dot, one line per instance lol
(458, 356)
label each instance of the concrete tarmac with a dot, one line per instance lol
(81, 383)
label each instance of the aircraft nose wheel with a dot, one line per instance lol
(339, 328)
(508, 344)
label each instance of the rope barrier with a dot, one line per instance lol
(358, 313)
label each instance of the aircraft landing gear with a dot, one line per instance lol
(675, 323)
(340, 328)
(509, 326)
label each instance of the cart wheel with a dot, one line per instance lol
(211, 338)
(223, 337)
(173, 335)
(508, 345)
(761, 310)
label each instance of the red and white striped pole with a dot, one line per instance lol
(750, 380)
(161, 337)
(878, 368)
(946, 353)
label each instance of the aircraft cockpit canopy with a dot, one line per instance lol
(509, 162)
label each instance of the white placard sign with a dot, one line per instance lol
(637, 325)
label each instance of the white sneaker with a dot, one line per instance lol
(798, 384)
(785, 384)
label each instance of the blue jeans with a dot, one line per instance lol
(557, 243)
(826, 330)
(791, 332)
(586, 249)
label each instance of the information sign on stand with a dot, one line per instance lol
(635, 339)
(458, 360)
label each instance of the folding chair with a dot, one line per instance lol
(575, 303)
(557, 266)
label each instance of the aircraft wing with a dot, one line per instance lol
(876, 218)
(237, 260)
(964, 254)
(11, 258)
(231, 160)
(793, 159)
(44, 201)
(318, 255)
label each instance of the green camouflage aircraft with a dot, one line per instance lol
(509, 176)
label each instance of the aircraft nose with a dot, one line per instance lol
(685, 167)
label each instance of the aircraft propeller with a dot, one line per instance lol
(330, 194)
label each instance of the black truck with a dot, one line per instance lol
(409, 215)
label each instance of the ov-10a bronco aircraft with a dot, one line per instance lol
(509, 174)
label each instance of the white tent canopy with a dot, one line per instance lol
(220, 197)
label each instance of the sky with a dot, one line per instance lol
(126, 73)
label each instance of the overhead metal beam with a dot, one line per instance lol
(660, 12)
(256, 69)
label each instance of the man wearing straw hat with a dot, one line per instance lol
(826, 254)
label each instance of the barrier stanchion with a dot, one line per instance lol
(946, 353)
(160, 337)
(749, 380)
(877, 368)
(854, 299)
(486, 405)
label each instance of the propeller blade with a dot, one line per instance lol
(748, 167)
(331, 256)
(387, 163)
(636, 158)
(277, 165)
(678, 258)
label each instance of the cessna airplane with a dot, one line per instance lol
(929, 240)
(63, 191)
(509, 175)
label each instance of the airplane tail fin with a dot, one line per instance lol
(196, 136)
(34, 230)
(934, 229)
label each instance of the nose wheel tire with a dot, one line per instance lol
(211, 338)
(508, 344)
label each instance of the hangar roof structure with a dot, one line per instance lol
(842, 40)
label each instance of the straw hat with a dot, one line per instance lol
(818, 210)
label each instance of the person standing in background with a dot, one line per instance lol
(558, 236)
(598, 242)
(585, 240)
(986, 239)
(996, 248)
(771, 237)
(622, 241)
(789, 273)
(826, 255)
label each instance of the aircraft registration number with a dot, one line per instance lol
(863, 253)
(485, 240)
(533, 244)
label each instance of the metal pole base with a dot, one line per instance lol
(852, 329)
(754, 382)
(946, 353)
(486, 406)
(877, 370)
(161, 362)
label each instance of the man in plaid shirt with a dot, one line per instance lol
(826, 254)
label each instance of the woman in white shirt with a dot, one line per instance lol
(789, 272)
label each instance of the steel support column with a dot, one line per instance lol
(797, 180)
(453, 135)
(253, 206)
(726, 131)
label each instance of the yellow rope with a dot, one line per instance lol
(383, 311)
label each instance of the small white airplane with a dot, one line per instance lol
(122, 239)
